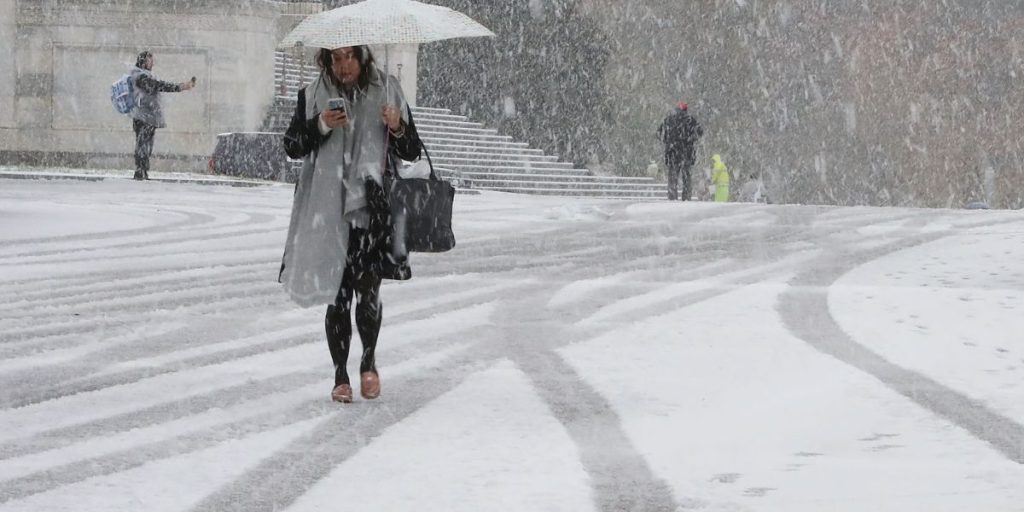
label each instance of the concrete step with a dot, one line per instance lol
(438, 118)
(296, 78)
(514, 172)
(483, 144)
(294, 63)
(442, 122)
(513, 151)
(484, 148)
(290, 76)
(518, 169)
(567, 183)
(557, 177)
(431, 110)
(294, 66)
(465, 129)
(470, 137)
(517, 157)
(495, 163)
(559, 191)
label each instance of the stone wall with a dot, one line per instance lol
(59, 58)
(8, 38)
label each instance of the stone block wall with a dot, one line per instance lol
(8, 38)
(58, 60)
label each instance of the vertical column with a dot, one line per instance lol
(401, 62)
(409, 72)
(8, 68)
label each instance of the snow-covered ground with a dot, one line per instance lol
(567, 355)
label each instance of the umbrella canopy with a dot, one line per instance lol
(383, 22)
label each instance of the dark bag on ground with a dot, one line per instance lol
(421, 212)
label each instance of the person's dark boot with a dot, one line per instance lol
(139, 175)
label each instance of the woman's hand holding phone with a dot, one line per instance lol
(334, 118)
(336, 115)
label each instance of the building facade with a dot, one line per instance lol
(58, 60)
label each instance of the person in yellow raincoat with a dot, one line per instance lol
(720, 179)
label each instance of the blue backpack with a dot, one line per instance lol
(122, 95)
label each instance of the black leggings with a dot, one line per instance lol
(363, 284)
(144, 134)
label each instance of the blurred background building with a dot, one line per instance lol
(913, 103)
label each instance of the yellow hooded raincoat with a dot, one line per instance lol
(720, 179)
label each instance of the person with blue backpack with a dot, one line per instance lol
(138, 95)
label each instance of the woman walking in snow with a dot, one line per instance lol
(349, 127)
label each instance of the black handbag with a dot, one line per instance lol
(421, 211)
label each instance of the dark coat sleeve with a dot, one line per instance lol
(303, 135)
(407, 147)
(152, 85)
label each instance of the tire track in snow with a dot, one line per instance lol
(583, 411)
(29, 389)
(621, 478)
(804, 309)
(205, 301)
(580, 408)
(255, 224)
(105, 298)
(235, 354)
(29, 303)
(643, 492)
(287, 474)
(146, 251)
(571, 400)
(191, 220)
(310, 384)
(103, 280)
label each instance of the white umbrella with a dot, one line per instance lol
(383, 22)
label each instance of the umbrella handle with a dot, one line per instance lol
(387, 64)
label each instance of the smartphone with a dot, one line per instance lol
(336, 104)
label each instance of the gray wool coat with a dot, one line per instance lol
(329, 194)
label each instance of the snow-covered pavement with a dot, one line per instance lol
(568, 355)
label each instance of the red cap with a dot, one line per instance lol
(683, 105)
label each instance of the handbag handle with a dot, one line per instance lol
(423, 146)
(429, 161)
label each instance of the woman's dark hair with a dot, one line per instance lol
(141, 59)
(367, 66)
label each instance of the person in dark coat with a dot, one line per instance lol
(679, 133)
(350, 126)
(147, 115)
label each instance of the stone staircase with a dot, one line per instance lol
(471, 155)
